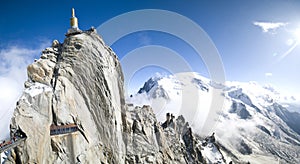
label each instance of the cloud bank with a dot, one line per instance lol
(269, 26)
(13, 63)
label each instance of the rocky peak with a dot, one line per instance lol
(80, 82)
(149, 141)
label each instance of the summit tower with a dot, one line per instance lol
(73, 20)
(74, 25)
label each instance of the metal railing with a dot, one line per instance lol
(7, 145)
(63, 129)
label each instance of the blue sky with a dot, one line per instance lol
(256, 40)
(247, 52)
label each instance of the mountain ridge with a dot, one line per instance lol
(254, 114)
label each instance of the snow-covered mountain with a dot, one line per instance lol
(253, 123)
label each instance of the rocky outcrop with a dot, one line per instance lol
(240, 109)
(79, 81)
(140, 138)
(148, 142)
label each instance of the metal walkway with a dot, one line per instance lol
(11, 144)
(54, 130)
(63, 129)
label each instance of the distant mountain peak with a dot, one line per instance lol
(259, 122)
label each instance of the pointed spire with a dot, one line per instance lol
(73, 12)
(74, 25)
(73, 20)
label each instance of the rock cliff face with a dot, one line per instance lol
(80, 82)
(147, 141)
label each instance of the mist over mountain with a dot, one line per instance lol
(256, 123)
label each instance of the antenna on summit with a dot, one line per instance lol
(73, 20)
(73, 12)
(74, 25)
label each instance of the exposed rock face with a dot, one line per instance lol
(80, 82)
(240, 109)
(146, 141)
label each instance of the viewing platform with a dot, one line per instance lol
(7, 145)
(62, 129)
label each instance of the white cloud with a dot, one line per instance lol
(269, 26)
(13, 64)
(268, 74)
